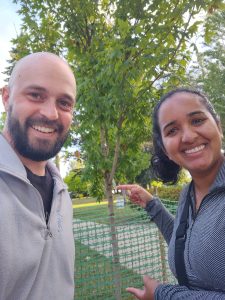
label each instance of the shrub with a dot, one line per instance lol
(77, 187)
(167, 192)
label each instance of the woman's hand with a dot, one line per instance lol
(136, 193)
(147, 293)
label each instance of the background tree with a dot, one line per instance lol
(76, 185)
(2, 120)
(209, 71)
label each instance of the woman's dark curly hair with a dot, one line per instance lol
(164, 168)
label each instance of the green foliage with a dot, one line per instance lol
(170, 193)
(184, 177)
(209, 73)
(76, 184)
(156, 184)
(2, 120)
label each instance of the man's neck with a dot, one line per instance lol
(36, 167)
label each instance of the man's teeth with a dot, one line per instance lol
(43, 129)
(196, 149)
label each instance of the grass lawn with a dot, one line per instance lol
(99, 213)
(94, 279)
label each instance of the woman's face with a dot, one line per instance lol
(190, 135)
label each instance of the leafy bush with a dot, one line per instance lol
(170, 193)
(77, 186)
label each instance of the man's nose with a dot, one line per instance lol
(49, 110)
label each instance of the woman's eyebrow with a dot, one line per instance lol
(169, 124)
(197, 112)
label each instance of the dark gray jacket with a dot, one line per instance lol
(36, 260)
(204, 247)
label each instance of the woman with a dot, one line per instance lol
(187, 134)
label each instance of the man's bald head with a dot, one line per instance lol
(33, 59)
(39, 102)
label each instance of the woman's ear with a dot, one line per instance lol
(5, 97)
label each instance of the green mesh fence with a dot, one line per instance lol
(114, 253)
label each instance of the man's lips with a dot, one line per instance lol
(43, 129)
(44, 125)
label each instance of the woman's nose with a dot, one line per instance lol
(188, 135)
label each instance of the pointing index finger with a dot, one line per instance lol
(125, 186)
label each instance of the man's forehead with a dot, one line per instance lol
(42, 62)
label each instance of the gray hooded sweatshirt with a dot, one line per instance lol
(36, 260)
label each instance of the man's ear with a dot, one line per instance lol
(5, 97)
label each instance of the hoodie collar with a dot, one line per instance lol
(220, 178)
(10, 163)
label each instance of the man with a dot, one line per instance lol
(36, 236)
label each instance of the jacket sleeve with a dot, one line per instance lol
(177, 292)
(161, 217)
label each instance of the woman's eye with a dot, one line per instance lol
(171, 131)
(197, 121)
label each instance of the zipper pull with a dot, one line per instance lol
(46, 233)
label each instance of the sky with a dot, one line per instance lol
(10, 28)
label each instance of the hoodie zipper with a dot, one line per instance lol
(221, 189)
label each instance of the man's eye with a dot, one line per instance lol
(65, 105)
(35, 96)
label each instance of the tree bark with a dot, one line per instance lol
(114, 240)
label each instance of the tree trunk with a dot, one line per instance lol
(114, 240)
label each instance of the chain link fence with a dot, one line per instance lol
(114, 252)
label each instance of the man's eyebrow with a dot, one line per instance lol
(193, 113)
(36, 88)
(68, 97)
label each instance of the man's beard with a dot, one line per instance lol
(41, 150)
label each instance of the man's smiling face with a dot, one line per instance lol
(40, 103)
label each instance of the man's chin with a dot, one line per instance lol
(40, 151)
(38, 155)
